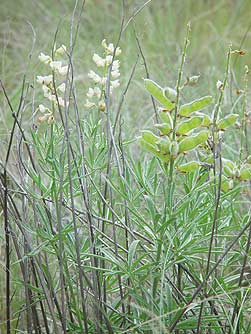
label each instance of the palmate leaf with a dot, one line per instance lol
(158, 93)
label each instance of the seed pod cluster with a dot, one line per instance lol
(188, 128)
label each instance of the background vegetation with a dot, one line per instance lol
(96, 245)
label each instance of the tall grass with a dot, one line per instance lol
(99, 236)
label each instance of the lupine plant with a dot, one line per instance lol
(102, 238)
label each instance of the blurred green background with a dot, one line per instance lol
(160, 26)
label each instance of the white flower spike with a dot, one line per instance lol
(56, 65)
(44, 58)
(62, 50)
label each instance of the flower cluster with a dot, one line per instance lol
(95, 94)
(48, 86)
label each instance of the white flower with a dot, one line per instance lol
(110, 48)
(103, 43)
(90, 92)
(115, 74)
(61, 87)
(118, 51)
(97, 92)
(115, 83)
(115, 65)
(89, 104)
(100, 62)
(44, 118)
(94, 76)
(52, 97)
(219, 84)
(46, 90)
(108, 59)
(44, 58)
(103, 80)
(61, 101)
(42, 108)
(46, 80)
(56, 65)
(61, 50)
(63, 70)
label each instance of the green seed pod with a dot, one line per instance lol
(174, 149)
(164, 128)
(149, 137)
(196, 105)
(226, 184)
(191, 142)
(227, 121)
(166, 117)
(158, 93)
(245, 173)
(152, 149)
(170, 93)
(228, 171)
(206, 121)
(228, 167)
(249, 159)
(189, 167)
(186, 126)
(209, 159)
(164, 145)
(236, 172)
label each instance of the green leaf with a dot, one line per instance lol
(196, 105)
(132, 251)
(158, 93)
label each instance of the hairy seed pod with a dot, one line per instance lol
(196, 105)
(245, 173)
(226, 185)
(189, 167)
(186, 126)
(170, 93)
(228, 167)
(166, 118)
(228, 171)
(164, 128)
(249, 159)
(149, 137)
(158, 93)
(153, 149)
(227, 121)
(174, 149)
(206, 121)
(164, 145)
(236, 172)
(191, 142)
